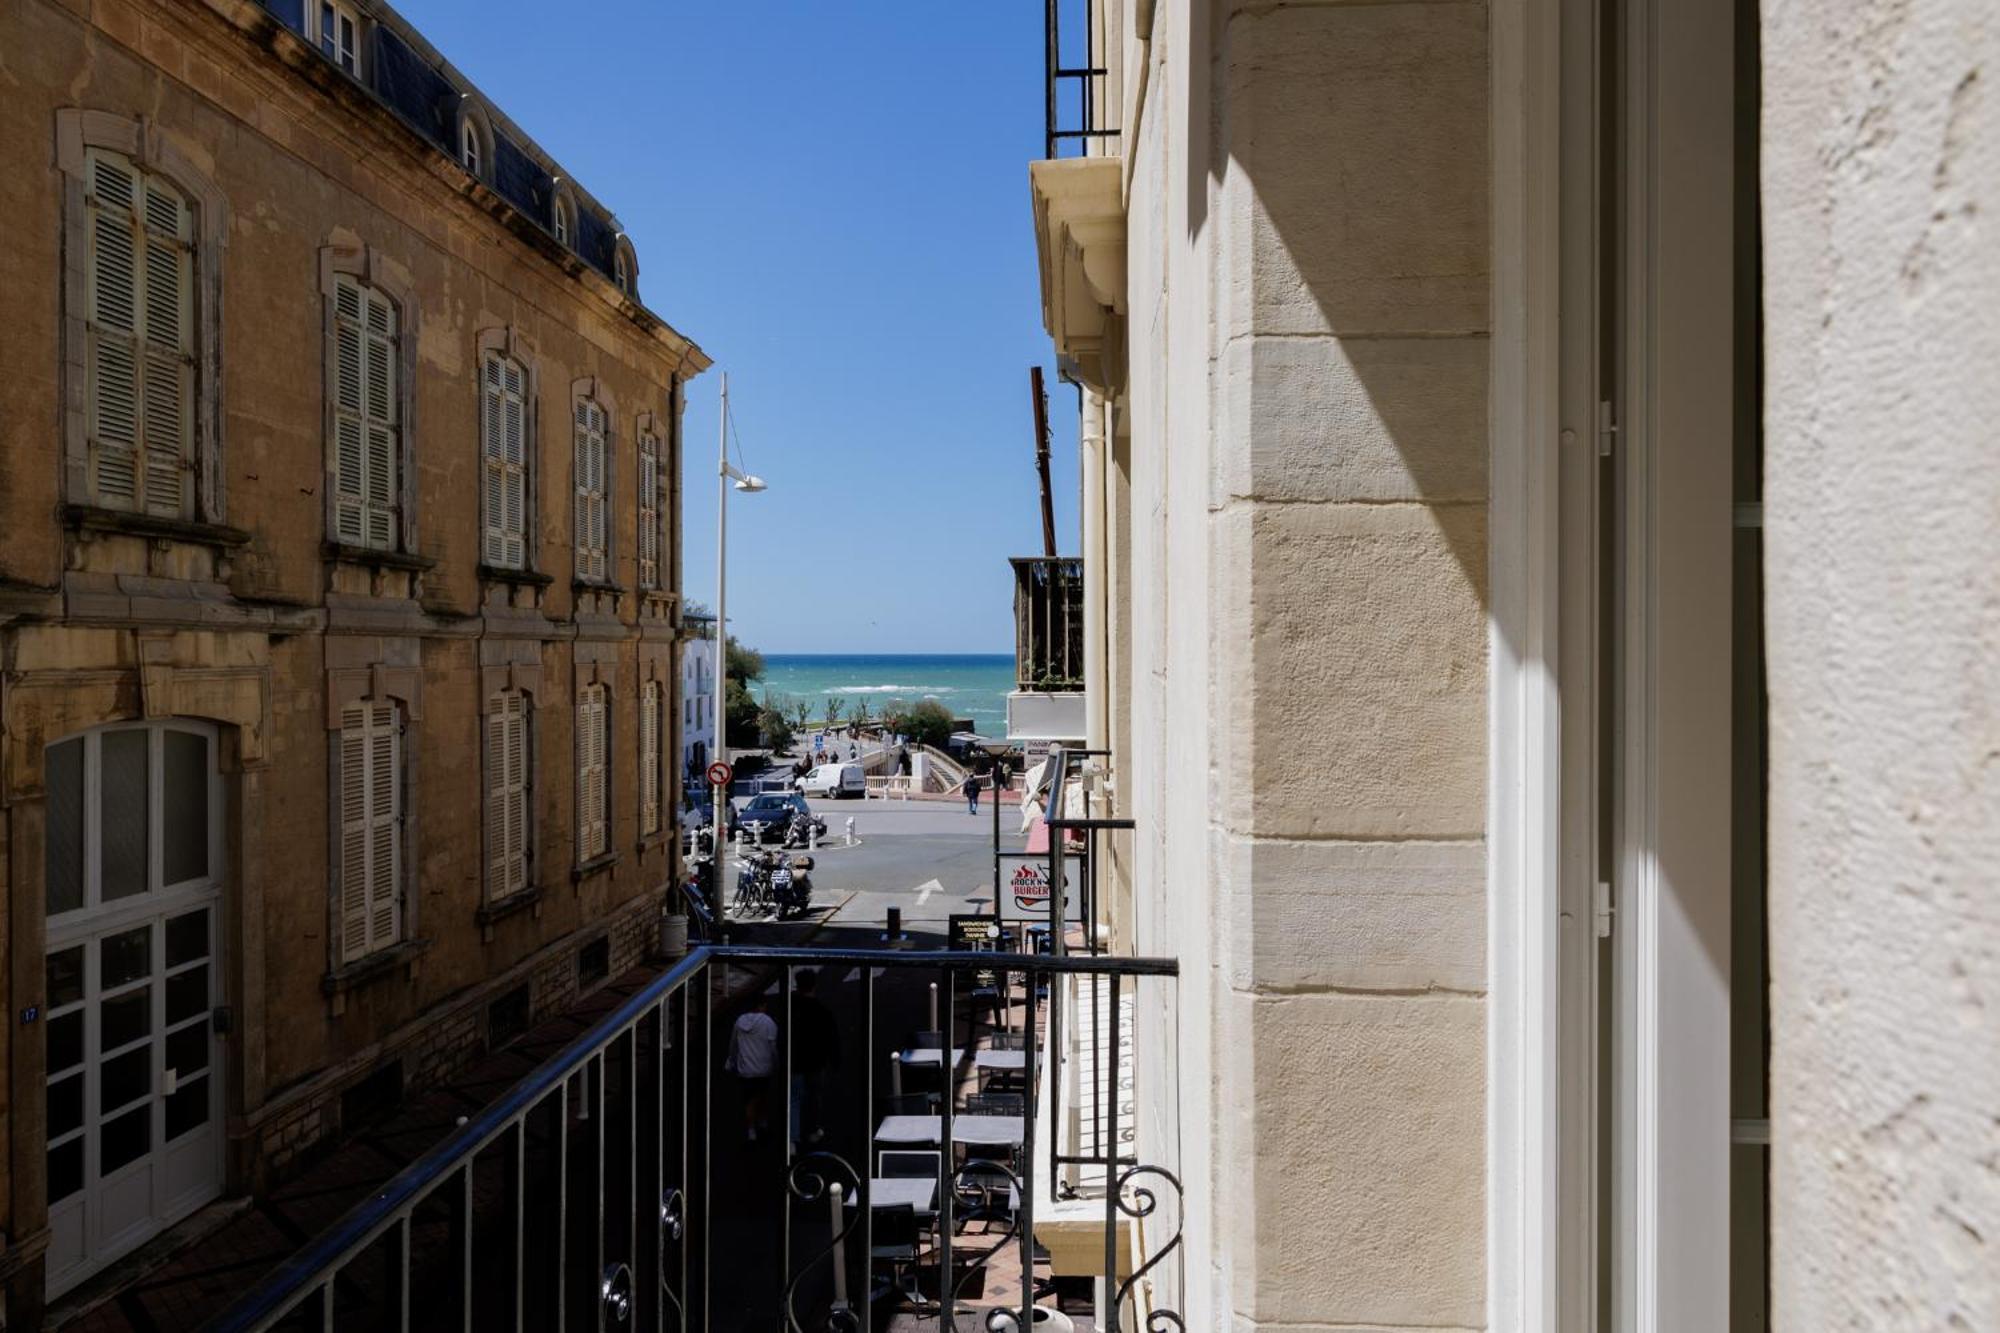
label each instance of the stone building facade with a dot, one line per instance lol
(1583, 899)
(338, 598)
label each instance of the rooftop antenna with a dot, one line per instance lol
(1042, 461)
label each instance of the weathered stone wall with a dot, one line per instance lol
(1308, 276)
(1881, 179)
(106, 627)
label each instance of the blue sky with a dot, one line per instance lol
(831, 197)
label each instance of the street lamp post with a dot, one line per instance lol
(725, 474)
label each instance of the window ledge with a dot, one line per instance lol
(87, 518)
(597, 585)
(594, 866)
(368, 555)
(500, 909)
(375, 966)
(525, 577)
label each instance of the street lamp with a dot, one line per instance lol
(749, 485)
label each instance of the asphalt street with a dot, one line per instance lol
(930, 858)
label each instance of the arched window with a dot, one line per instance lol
(592, 491)
(504, 444)
(468, 146)
(621, 272)
(366, 395)
(139, 371)
(562, 224)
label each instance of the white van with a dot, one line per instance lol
(835, 781)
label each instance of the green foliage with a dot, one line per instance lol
(836, 709)
(929, 723)
(739, 716)
(774, 730)
(859, 715)
(741, 663)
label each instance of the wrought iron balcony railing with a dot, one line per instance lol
(624, 1184)
(1048, 623)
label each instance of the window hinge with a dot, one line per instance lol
(1607, 428)
(1603, 911)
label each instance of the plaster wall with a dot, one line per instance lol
(121, 627)
(1881, 153)
(1307, 276)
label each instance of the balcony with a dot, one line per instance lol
(616, 1188)
(1047, 703)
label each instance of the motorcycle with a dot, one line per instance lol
(800, 829)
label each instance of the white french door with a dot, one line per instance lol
(133, 883)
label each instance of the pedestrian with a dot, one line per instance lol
(753, 1052)
(903, 760)
(1002, 776)
(815, 1051)
(971, 793)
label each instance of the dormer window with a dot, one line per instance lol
(625, 266)
(562, 227)
(339, 34)
(621, 272)
(468, 145)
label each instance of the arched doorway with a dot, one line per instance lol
(133, 879)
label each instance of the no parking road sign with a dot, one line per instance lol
(719, 774)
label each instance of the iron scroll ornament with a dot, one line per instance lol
(1144, 1202)
(673, 1223)
(808, 1181)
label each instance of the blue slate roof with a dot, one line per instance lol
(425, 93)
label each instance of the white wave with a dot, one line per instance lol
(928, 690)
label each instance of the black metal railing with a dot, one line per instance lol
(1048, 623)
(1080, 117)
(644, 1179)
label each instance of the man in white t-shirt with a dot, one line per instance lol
(753, 1054)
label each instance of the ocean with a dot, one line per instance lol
(971, 685)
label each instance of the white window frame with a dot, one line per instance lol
(593, 772)
(652, 725)
(365, 395)
(652, 530)
(369, 801)
(506, 466)
(80, 136)
(345, 261)
(330, 21)
(560, 223)
(509, 789)
(591, 476)
(470, 155)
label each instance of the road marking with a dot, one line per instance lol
(926, 889)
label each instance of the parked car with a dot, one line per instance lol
(835, 781)
(767, 816)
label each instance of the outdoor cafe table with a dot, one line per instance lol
(982, 1131)
(919, 1192)
(930, 1055)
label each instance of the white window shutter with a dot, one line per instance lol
(496, 795)
(507, 793)
(517, 788)
(384, 826)
(353, 832)
(649, 759)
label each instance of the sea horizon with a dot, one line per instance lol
(973, 686)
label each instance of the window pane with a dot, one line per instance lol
(184, 795)
(122, 775)
(65, 835)
(124, 1079)
(187, 1050)
(65, 1170)
(66, 1041)
(65, 977)
(65, 1106)
(125, 1019)
(188, 1108)
(125, 957)
(126, 1139)
(187, 937)
(187, 994)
